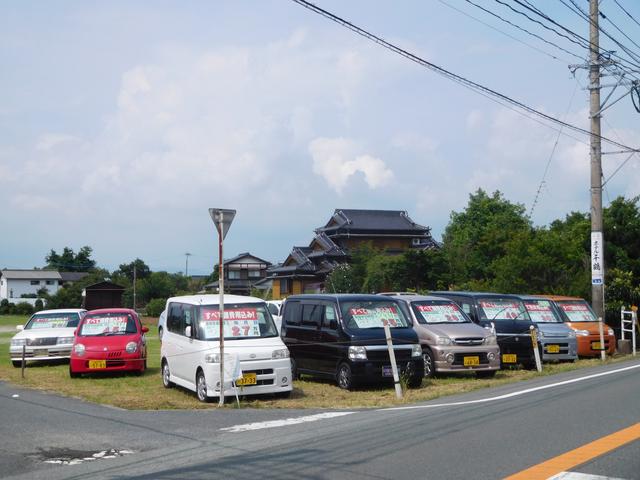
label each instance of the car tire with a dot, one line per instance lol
(344, 376)
(201, 387)
(294, 370)
(415, 381)
(166, 375)
(17, 364)
(486, 373)
(73, 374)
(429, 367)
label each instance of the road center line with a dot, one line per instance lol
(515, 394)
(284, 422)
(579, 456)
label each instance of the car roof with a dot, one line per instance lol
(414, 297)
(214, 299)
(111, 310)
(445, 293)
(61, 310)
(336, 296)
(559, 297)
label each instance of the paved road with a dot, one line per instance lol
(487, 434)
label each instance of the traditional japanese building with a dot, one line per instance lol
(306, 268)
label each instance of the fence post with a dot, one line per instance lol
(603, 353)
(22, 364)
(536, 352)
(392, 357)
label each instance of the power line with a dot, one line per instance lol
(476, 87)
(630, 16)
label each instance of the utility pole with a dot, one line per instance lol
(186, 264)
(135, 276)
(597, 242)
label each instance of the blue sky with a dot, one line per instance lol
(123, 122)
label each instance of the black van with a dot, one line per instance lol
(510, 318)
(342, 336)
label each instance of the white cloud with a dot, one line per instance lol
(336, 160)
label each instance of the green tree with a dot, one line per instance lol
(69, 261)
(142, 270)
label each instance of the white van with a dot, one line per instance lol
(190, 353)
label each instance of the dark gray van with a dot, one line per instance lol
(342, 337)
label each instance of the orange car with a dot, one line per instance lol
(578, 315)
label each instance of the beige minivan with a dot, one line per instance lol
(450, 341)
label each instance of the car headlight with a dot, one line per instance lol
(490, 340)
(281, 353)
(539, 333)
(416, 351)
(571, 334)
(357, 353)
(79, 349)
(65, 340)
(611, 332)
(131, 347)
(18, 342)
(212, 358)
(582, 333)
(444, 341)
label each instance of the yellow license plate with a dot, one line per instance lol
(596, 346)
(247, 379)
(509, 358)
(553, 348)
(97, 364)
(470, 361)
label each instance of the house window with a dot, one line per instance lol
(254, 273)
(50, 282)
(35, 282)
(285, 286)
(233, 275)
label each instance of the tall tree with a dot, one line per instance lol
(69, 261)
(142, 270)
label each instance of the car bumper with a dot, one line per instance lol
(272, 376)
(518, 345)
(53, 352)
(377, 371)
(114, 361)
(567, 349)
(586, 345)
(452, 358)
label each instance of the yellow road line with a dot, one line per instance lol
(580, 455)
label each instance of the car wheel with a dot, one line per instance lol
(73, 374)
(201, 387)
(294, 370)
(429, 368)
(415, 381)
(344, 376)
(486, 373)
(17, 364)
(166, 375)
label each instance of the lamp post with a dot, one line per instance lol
(222, 219)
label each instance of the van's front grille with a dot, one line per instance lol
(264, 371)
(468, 341)
(36, 342)
(403, 355)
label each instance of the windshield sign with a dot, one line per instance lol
(578, 312)
(53, 320)
(502, 310)
(439, 313)
(372, 314)
(240, 322)
(107, 324)
(541, 311)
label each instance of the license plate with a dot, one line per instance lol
(596, 346)
(553, 348)
(247, 379)
(42, 353)
(387, 371)
(471, 361)
(97, 364)
(509, 358)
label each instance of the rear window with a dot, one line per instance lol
(501, 309)
(577, 311)
(373, 314)
(53, 320)
(108, 324)
(438, 312)
(541, 311)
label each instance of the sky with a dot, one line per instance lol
(123, 122)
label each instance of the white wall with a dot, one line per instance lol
(14, 288)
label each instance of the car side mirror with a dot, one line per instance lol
(333, 324)
(19, 327)
(187, 331)
(145, 329)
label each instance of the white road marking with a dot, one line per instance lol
(515, 394)
(284, 422)
(580, 476)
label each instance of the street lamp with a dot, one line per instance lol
(222, 219)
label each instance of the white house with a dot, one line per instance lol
(16, 283)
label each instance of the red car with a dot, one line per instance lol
(111, 339)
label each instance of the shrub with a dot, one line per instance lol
(23, 308)
(155, 307)
(4, 307)
(39, 305)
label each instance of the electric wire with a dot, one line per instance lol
(474, 86)
(628, 14)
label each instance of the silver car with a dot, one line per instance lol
(450, 341)
(556, 340)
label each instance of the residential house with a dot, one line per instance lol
(17, 285)
(242, 273)
(306, 268)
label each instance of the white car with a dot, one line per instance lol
(48, 335)
(162, 324)
(275, 308)
(190, 352)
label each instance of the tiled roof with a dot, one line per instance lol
(368, 220)
(31, 274)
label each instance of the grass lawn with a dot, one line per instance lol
(13, 320)
(146, 392)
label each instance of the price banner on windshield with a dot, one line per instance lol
(240, 322)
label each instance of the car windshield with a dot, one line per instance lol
(502, 309)
(577, 311)
(541, 311)
(53, 320)
(373, 314)
(241, 321)
(438, 312)
(107, 324)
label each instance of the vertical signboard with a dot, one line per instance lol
(597, 277)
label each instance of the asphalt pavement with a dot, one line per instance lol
(487, 434)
